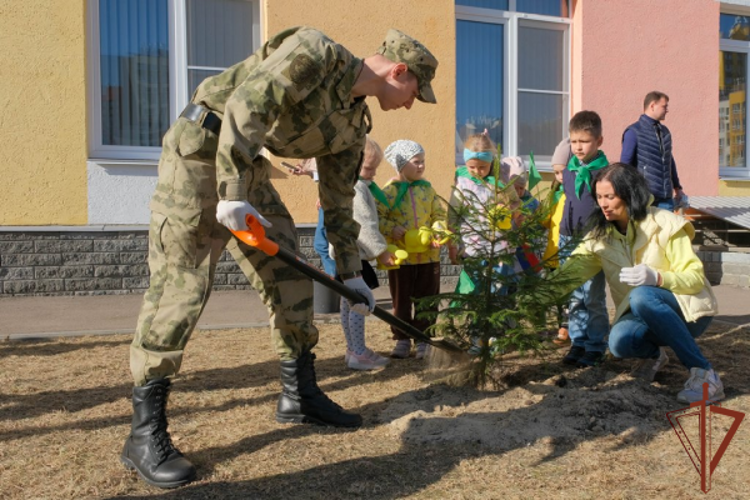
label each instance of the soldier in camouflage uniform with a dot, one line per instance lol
(301, 95)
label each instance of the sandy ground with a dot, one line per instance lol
(546, 431)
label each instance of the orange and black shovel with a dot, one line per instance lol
(255, 236)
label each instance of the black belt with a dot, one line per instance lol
(193, 112)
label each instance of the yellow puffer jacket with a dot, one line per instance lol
(661, 241)
(421, 207)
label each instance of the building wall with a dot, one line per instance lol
(43, 112)
(622, 49)
(734, 188)
(361, 25)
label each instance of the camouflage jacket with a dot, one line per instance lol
(293, 96)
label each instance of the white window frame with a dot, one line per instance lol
(511, 21)
(179, 94)
(726, 172)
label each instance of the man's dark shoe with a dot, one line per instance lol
(591, 358)
(149, 449)
(575, 353)
(302, 401)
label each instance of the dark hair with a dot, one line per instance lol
(630, 186)
(586, 121)
(654, 96)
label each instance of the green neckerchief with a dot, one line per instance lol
(557, 195)
(464, 172)
(403, 187)
(377, 193)
(583, 171)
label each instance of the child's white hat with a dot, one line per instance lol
(515, 167)
(398, 153)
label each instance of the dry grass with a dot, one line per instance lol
(65, 411)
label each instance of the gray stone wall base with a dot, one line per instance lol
(725, 266)
(112, 263)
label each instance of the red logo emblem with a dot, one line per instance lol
(701, 457)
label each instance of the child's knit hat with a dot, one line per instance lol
(562, 153)
(398, 153)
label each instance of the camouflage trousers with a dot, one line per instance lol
(182, 262)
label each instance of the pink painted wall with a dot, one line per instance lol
(623, 49)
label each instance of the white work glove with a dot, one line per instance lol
(359, 286)
(640, 275)
(232, 214)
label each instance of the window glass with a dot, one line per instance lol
(134, 65)
(219, 32)
(540, 58)
(196, 76)
(544, 7)
(522, 101)
(485, 4)
(479, 81)
(734, 27)
(143, 78)
(540, 123)
(732, 108)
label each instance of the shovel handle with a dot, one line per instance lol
(255, 236)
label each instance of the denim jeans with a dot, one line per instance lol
(320, 244)
(588, 321)
(655, 320)
(665, 203)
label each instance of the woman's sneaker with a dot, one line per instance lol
(646, 369)
(368, 360)
(401, 349)
(693, 391)
(421, 350)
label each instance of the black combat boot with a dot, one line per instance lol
(149, 449)
(302, 401)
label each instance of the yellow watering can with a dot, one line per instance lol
(441, 233)
(418, 240)
(401, 256)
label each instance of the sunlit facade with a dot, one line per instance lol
(110, 76)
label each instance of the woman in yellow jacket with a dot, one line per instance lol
(656, 279)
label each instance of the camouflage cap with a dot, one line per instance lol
(400, 47)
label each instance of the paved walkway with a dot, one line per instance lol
(32, 317)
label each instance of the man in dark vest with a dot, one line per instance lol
(647, 145)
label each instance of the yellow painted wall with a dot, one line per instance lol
(43, 99)
(733, 188)
(361, 25)
(43, 112)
